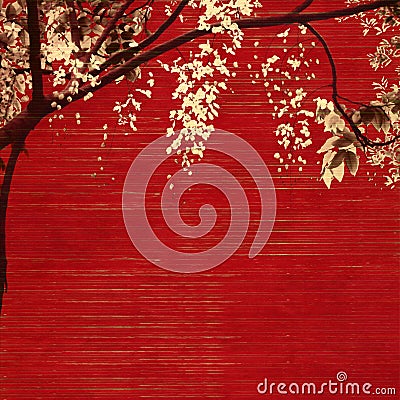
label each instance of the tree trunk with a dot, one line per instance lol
(4, 193)
(15, 134)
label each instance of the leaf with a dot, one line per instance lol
(112, 48)
(100, 5)
(367, 115)
(342, 142)
(126, 35)
(378, 119)
(350, 136)
(24, 37)
(132, 75)
(63, 19)
(86, 42)
(17, 105)
(84, 30)
(327, 158)
(333, 122)
(84, 22)
(98, 29)
(386, 125)
(338, 172)
(328, 145)
(4, 40)
(356, 117)
(17, 7)
(327, 177)
(114, 36)
(352, 162)
(338, 159)
(20, 84)
(10, 12)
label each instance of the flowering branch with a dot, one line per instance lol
(18, 126)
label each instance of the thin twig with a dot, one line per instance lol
(363, 139)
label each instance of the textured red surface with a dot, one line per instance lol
(87, 317)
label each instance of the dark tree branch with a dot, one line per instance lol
(4, 193)
(73, 22)
(292, 18)
(363, 139)
(303, 6)
(116, 58)
(250, 23)
(34, 50)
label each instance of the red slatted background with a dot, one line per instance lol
(87, 317)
